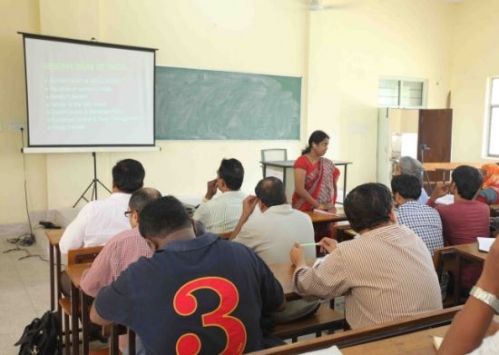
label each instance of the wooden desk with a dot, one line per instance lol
(54, 236)
(391, 330)
(447, 166)
(75, 273)
(286, 166)
(471, 252)
(416, 343)
(409, 344)
(336, 214)
(455, 256)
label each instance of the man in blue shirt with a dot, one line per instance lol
(422, 219)
(195, 294)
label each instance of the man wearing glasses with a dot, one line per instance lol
(121, 251)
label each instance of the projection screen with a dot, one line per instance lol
(88, 94)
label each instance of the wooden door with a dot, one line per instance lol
(435, 137)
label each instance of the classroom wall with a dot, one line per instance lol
(22, 16)
(351, 47)
(256, 36)
(475, 58)
(341, 53)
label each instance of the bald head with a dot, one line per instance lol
(270, 191)
(142, 197)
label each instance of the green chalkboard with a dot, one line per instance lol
(217, 105)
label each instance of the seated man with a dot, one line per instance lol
(120, 251)
(271, 233)
(465, 219)
(410, 166)
(422, 219)
(220, 214)
(385, 275)
(194, 295)
(100, 220)
(471, 325)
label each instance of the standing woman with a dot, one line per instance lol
(315, 176)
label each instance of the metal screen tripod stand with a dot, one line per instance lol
(92, 186)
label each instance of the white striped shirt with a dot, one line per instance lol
(221, 214)
(387, 274)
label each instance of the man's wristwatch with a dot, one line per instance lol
(486, 297)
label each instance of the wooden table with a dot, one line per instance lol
(456, 256)
(333, 215)
(471, 252)
(416, 343)
(440, 171)
(75, 273)
(54, 236)
(353, 339)
(286, 166)
(447, 166)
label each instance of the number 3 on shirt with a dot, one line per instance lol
(185, 304)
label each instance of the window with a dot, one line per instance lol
(402, 93)
(492, 126)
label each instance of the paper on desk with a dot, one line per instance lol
(437, 342)
(445, 200)
(484, 244)
(333, 350)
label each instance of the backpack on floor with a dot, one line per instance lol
(41, 336)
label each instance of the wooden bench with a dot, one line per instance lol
(364, 335)
(75, 256)
(325, 318)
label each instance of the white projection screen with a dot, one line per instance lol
(88, 94)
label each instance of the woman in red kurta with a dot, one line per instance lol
(315, 176)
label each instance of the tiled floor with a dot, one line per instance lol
(24, 293)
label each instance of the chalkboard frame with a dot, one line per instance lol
(194, 93)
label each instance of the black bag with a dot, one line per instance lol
(41, 336)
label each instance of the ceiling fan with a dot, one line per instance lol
(321, 5)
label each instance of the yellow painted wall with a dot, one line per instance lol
(351, 48)
(256, 36)
(341, 53)
(475, 57)
(22, 16)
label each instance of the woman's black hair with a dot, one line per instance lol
(316, 137)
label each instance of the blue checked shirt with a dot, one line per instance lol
(424, 221)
